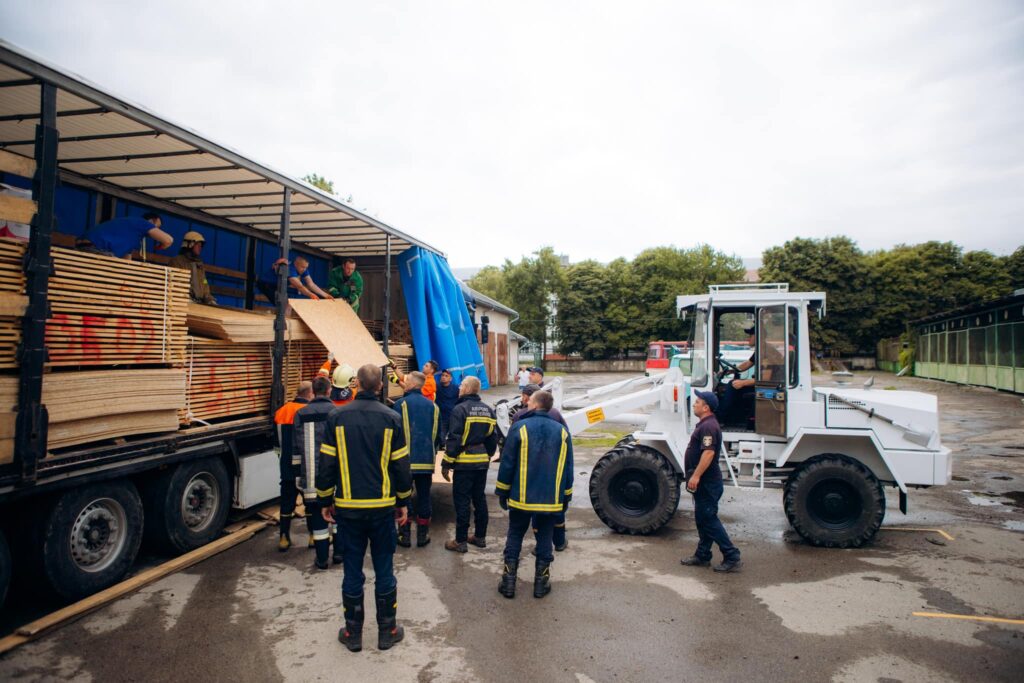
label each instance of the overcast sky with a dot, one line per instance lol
(490, 129)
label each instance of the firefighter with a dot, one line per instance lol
(429, 388)
(560, 541)
(189, 258)
(284, 418)
(308, 435)
(534, 482)
(363, 482)
(471, 442)
(447, 397)
(343, 385)
(420, 417)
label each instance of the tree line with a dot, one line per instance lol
(602, 310)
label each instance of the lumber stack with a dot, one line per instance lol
(302, 361)
(225, 378)
(233, 324)
(99, 404)
(400, 332)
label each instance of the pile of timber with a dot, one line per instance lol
(232, 324)
(400, 332)
(233, 379)
(93, 405)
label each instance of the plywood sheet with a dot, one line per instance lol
(233, 324)
(339, 329)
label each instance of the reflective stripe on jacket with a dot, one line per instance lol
(419, 420)
(472, 435)
(536, 465)
(308, 435)
(364, 463)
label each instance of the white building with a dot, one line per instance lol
(501, 352)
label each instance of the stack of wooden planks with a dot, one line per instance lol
(98, 404)
(233, 324)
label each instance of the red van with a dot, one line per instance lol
(659, 353)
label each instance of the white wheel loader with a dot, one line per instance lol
(833, 450)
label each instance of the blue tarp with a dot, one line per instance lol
(441, 326)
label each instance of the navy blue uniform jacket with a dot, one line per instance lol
(472, 435)
(419, 422)
(536, 465)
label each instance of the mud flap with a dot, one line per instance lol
(903, 501)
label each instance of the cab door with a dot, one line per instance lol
(770, 393)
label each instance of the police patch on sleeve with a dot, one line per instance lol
(708, 440)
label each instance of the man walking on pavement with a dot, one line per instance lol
(364, 482)
(534, 482)
(472, 440)
(420, 417)
(705, 483)
(284, 418)
(309, 429)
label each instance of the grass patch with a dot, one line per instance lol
(602, 439)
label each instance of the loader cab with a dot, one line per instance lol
(780, 370)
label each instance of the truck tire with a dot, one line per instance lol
(634, 490)
(91, 537)
(186, 507)
(834, 501)
(5, 567)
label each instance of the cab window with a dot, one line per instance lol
(771, 344)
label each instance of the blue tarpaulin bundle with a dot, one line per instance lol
(440, 324)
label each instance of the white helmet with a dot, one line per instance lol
(342, 376)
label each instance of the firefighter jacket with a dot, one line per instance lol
(308, 435)
(472, 437)
(535, 473)
(420, 416)
(364, 461)
(199, 288)
(284, 418)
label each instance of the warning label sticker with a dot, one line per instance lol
(595, 415)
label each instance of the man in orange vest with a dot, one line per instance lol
(284, 418)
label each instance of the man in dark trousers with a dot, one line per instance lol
(534, 482)
(308, 435)
(420, 417)
(704, 481)
(364, 483)
(447, 397)
(472, 440)
(284, 418)
(559, 539)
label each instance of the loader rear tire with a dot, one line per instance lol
(834, 501)
(634, 489)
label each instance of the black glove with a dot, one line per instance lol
(503, 502)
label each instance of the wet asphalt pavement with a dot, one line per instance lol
(621, 608)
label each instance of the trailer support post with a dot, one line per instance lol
(280, 324)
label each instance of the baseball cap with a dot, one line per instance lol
(709, 398)
(539, 371)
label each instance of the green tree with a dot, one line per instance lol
(490, 280)
(581, 310)
(321, 182)
(530, 286)
(1015, 268)
(836, 266)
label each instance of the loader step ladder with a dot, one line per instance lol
(748, 454)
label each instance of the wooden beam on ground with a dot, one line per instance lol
(31, 631)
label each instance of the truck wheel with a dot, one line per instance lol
(834, 501)
(187, 506)
(5, 567)
(634, 490)
(90, 538)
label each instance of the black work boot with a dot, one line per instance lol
(403, 535)
(351, 635)
(422, 533)
(388, 630)
(507, 587)
(542, 579)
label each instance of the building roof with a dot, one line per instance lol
(1016, 297)
(109, 144)
(484, 300)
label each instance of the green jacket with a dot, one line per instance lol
(347, 288)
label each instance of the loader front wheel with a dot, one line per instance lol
(834, 501)
(634, 490)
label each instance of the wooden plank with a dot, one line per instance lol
(16, 209)
(340, 330)
(13, 304)
(17, 164)
(75, 611)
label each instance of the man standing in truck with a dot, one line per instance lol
(119, 237)
(190, 258)
(345, 282)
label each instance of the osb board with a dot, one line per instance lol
(76, 432)
(339, 329)
(233, 324)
